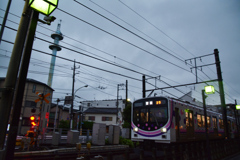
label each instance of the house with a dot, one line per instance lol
(62, 114)
(104, 111)
(30, 107)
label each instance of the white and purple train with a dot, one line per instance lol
(168, 120)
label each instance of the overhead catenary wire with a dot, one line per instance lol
(133, 27)
(123, 40)
(130, 32)
(155, 27)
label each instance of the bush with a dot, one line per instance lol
(125, 141)
(64, 124)
(87, 125)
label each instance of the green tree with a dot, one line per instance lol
(64, 124)
(87, 125)
(127, 115)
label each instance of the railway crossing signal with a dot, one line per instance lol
(42, 96)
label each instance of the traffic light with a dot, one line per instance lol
(32, 120)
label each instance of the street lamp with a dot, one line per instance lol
(237, 107)
(45, 7)
(207, 90)
(73, 96)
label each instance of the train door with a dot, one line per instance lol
(215, 126)
(177, 124)
(189, 124)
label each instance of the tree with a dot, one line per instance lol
(127, 115)
(64, 124)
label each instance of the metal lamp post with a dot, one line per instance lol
(15, 61)
(207, 90)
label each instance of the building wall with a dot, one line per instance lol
(31, 88)
(104, 103)
(98, 118)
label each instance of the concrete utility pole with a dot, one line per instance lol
(221, 91)
(56, 115)
(126, 93)
(11, 77)
(143, 86)
(117, 100)
(71, 111)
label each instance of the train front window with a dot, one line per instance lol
(144, 115)
(158, 115)
(150, 116)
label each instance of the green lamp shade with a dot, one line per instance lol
(45, 7)
(209, 89)
(238, 107)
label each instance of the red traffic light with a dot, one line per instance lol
(33, 124)
(32, 118)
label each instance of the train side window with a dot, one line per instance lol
(203, 121)
(221, 124)
(199, 120)
(187, 120)
(208, 121)
(214, 119)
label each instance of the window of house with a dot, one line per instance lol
(30, 104)
(91, 118)
(106, 118)
(34, 88)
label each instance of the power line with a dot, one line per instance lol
(123, 40)
(132, 26)
(129, 31)
(156, 27)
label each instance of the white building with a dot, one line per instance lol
(104, 111)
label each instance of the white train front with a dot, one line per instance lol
(167, 120)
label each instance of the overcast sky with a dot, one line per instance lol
(149, 37)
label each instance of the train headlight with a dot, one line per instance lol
(135, 129)
(164, 130)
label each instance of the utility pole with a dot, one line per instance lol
(221, 92)
(56, 114)
(71, 111)
(11, 77)
(143, 86)
(117, 100)
(126, 93)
